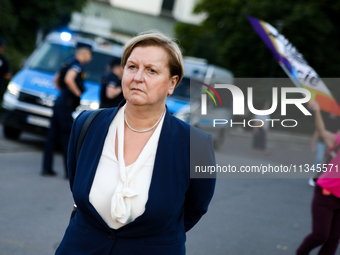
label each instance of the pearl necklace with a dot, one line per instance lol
(143, 131)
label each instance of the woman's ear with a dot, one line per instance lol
(172, 85)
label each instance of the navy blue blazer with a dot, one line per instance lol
(175, 204)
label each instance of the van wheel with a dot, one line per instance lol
(11, 133)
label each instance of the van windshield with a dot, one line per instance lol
(50, 57)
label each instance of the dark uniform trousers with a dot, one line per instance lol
(60, 130)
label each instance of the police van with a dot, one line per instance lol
(28, 101)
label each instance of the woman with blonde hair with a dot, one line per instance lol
(132, 182)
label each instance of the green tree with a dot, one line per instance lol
(20, 21)
(226, 38)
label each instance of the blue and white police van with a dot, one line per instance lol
(28, 101)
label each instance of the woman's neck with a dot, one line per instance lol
(143, 117)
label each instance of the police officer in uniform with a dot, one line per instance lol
(111, 90)
(70, 82)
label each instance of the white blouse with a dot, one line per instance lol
(119, 193)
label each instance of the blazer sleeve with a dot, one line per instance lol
(72, 145)
(201, 190)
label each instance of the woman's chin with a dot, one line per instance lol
(136, 100)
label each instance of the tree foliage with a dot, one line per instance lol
(226, 38)
(20, 21)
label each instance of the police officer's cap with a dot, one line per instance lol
(82, 45)
(115, 62)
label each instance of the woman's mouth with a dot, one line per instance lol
(137, 89)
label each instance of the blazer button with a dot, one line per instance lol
(111, 236)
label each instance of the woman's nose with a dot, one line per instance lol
(139, 76)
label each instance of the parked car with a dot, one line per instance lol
(28, 101)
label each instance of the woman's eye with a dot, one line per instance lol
(131, 66)
(152, 71)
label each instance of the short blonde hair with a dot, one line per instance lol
(155, 38)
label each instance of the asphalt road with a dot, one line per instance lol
(247, 216)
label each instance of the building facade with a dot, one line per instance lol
(122, 19)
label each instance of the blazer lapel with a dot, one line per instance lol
(162, 157)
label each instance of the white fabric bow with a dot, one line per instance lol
(121, 203)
